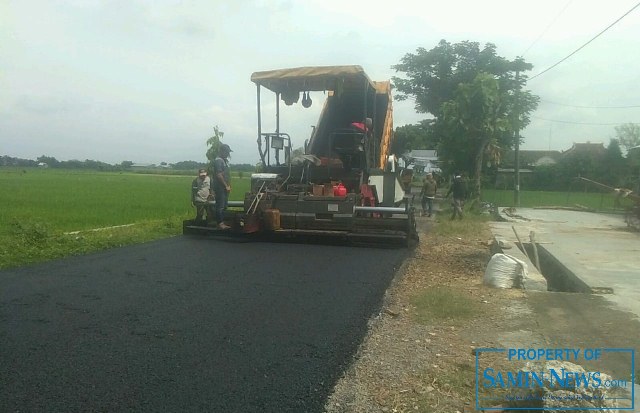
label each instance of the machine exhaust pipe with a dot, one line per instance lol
(388, 210)
(229, 203)
(392, 210)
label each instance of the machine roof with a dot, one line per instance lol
(383, 87)
(311, 78)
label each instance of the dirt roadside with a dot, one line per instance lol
(412, 363)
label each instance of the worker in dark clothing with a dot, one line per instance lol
(222, 183)
(459, 190)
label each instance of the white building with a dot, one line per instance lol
(423, 159)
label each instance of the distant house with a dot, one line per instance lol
(42, 165)
(143, 166)
(531, 158)
(424, 159)
(588, 148)
(162, 165)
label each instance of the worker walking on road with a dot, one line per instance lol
(459, 190)
(222, 183)
(428, 194)
(200, 196)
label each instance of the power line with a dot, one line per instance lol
(548, 27)
(581, 47)
(582, 123)
(590, 107)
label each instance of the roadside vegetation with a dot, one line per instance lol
(419, 355)
(452, 301)
(443, 303)
(51, 213)
(473, 223)
(600, 201)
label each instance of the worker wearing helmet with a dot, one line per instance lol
(222, 183)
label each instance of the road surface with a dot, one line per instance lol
(187, 324)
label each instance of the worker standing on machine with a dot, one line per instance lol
(222, 183)
(363, 127)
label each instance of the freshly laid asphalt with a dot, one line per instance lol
(187, 324)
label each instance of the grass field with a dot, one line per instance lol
(40, 205)
(530, 199)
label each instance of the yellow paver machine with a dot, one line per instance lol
(345, 185)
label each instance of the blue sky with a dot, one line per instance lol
(147, 80)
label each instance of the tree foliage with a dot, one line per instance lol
(472, 121)
(475, 96)
(213, 144)
(189, 165)
(628, 135)
(49, 160)
(614, 166)
(416, 136)
(6, 160)
(432, 76)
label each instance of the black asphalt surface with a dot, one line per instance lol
(187, 324)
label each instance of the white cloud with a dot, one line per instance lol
(148, 80)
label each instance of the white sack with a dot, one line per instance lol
(505, 271)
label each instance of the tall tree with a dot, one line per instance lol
(613, 168)
(432, 76)
(628, 135)
(473, 121)
(433, 79)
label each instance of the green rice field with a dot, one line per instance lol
(52, 213)
(530, 199)
(39, 206)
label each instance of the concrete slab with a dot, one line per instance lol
(598, 248)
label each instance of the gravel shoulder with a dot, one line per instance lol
(407, 364)
(412, 363)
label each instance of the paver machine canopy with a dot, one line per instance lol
(353, 98)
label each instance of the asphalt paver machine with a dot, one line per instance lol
(345, 186)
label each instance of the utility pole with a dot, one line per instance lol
(516, 191)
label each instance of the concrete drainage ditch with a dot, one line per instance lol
(559, 277)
